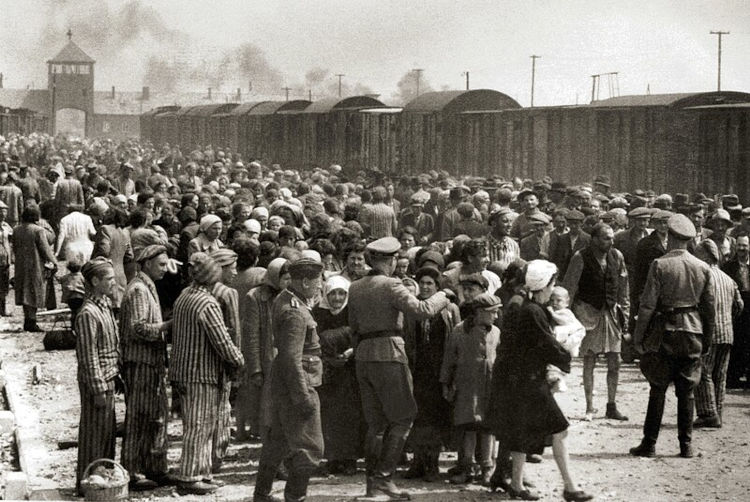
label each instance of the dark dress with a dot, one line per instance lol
(340, 410)
(522, 412)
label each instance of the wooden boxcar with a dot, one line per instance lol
(149, 127)
(264, 136)
(430, 126)
(228, 126)
(379, 142)
(199, 121)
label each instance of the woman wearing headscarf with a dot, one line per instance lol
(257, 343)
(525, 414)
(207, 239)
(340, 410)
(112, 241)
(425, 342)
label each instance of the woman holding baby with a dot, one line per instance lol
(526, 414)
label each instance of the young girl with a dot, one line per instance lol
(73, 289)
(568, 331)
(466, 375)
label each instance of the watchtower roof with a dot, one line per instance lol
(71, 53)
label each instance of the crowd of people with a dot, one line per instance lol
(336, 315)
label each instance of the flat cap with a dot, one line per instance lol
(485, 301)
(602, 180)
(662, 214)
(681, 227)
(525, 193)
(385, 246)
(640, 212)
(304, 265)
(618, 202)
(539, 217)
(431, 256)
(575, 215)
(721, 214)
(558, 186)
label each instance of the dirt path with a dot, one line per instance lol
(720, 470)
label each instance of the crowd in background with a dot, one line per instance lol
(211, 235)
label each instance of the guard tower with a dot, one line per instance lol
(71, 84)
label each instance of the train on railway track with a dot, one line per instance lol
(668, 142)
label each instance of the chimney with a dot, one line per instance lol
(146, 93)
(239, 91)
(209, 94)
(113, 92)
(1, 80)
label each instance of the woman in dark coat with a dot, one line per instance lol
(425, 347)
(34, 259)
(525, 412)
(340, 410)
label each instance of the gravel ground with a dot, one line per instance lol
(600, 462)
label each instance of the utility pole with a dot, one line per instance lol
(309, 94)
(339, 75)
(287, 89)
(419, 74)
(466, 74)
(594, 87)
(533, 76)
(718, 77)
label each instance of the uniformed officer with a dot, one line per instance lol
(377, 303)
(295, 434)
(674, 327)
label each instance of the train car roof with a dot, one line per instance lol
(271, 107)
(460, 101)
(328, 104)
(208, 110)
(678, 100)
(385, 110)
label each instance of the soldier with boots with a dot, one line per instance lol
(296, 435)
(675, 325)
(377, 304)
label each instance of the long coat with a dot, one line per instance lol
(467, 366)
(522, 410)
(114, 243)
(32, 251)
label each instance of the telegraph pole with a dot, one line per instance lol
(466, 74)
(339, 75)
(718, 77)
(533, 76)
(418, 71)
(287, 89)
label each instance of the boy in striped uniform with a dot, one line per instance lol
(97, 351)
(202, 355)
(144, 356)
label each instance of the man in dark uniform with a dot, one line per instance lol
(295, 435)
(377, 303)
(647, 250)
(675, 325)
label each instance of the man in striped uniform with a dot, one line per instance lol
(295, 432)
(97, 351)
(709, 394)
(202, 354)
(229, 302)
(144, 358)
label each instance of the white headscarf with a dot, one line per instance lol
(334, 282)
(539, 274)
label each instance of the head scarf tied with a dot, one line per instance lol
(259, 211)
(539, 273)
(224, 257)
(274, 272)
(333, 283)
(207, 221)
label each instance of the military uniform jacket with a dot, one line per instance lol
(298, 366)
(679, 280)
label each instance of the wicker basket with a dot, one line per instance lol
(119, 492)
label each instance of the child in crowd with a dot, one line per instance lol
(568, 331)
(73, 289)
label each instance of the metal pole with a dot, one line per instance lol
(467, 80)
(287, 89)
(533, 77)
(718, 76)
(339, 75)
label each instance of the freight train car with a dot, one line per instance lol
(200, 120)
(430, 135)
(227, 125)
(379, 139)
(149, 127)
(264, 136)
(21, 121)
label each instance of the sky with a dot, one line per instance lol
(188, 45)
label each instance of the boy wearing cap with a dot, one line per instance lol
(680, 291)
(648, 249)
(144, 364)
(562, 247)
(522, 225)
(295, 433)
(382, 365)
